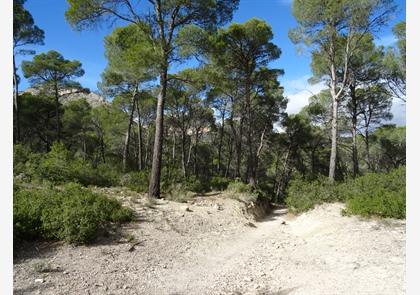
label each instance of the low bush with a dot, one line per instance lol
(73, 213)
(303, 195)
(239, 187)
(242, 192)
(379, 194)
(219, 183)
(178, 193)
(59, 166)
(136, 181)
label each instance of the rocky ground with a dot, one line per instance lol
(215, 246)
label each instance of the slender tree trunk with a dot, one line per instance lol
(195, 152)
(219, 152)
(154, 185)
(367, 149)
(354, 130)
(230, 156)
(57, 110)
(238, 146)
(257, 156)
(173, 148)
(102, 148)
(251, 161)
(147, 148)
(333, 155)
(16, 101)
(127, 135)
(140, 138)
(285, 177)
(183, 153)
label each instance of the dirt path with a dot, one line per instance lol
(214, 249)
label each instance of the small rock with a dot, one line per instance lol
(65, 272)
(283, 222)
(217, 207)
(248, 279)
(186, 209)
(125, 287)
(39, 281)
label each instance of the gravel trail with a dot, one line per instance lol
(214, 247)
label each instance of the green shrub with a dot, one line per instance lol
(178, 193)
(380, 194)
(73, 214)
(219, 183)
(238, 186)
(197, 185)
(136, 181)
(59, 166)
(303, 195)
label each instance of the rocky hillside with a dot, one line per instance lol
(68, 95)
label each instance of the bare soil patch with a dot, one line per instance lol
(215, 246)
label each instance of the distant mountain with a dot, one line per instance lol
(94, 99)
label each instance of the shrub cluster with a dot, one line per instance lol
(137, 181)
(73, 213)
(379, 194)
(59, 166)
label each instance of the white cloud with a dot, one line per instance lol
(298, 91)
(398, 110)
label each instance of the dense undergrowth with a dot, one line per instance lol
(70, 213)
(373, 194)
(52, 200)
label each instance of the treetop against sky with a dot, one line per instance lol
(88, 45)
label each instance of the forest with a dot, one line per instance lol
(189, 104)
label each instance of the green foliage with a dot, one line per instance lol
(59, 166)
(73, 214)
(136, 181)
(379, 194)
(219, 183)
(177, 192)
(303, 195)
(388, 148)
(52, 67)
(25, 32)
(238, 186)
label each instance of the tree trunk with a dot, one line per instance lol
(333, 155)
(219, 151)
(367, 149)
(238, 146)
(154, 185)
(230, 156)
(285, 177)
(195, 152)
(183, 153)
(127, 135)
(354, 130)
(251, 161)
(173, 148)
(140, 138)
(102, 148)
(16, 101)
(57, 110)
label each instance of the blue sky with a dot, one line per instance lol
(87, 46)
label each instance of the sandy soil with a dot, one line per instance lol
(214, 246)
